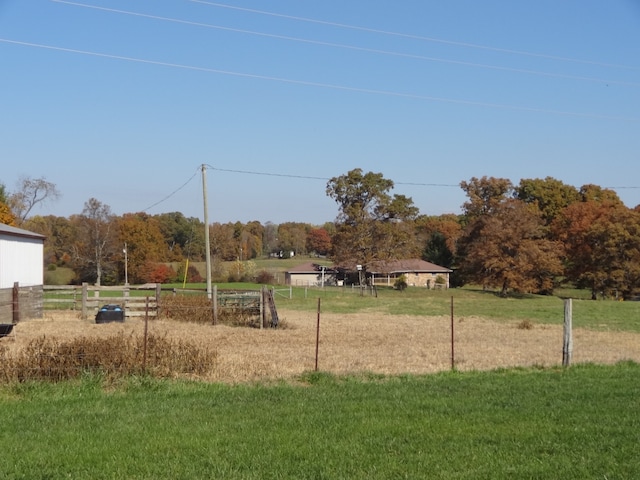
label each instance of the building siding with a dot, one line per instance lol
(21, 260)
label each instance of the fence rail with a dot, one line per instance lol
(20, 302)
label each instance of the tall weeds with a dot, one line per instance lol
(52, 359)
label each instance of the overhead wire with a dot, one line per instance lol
(172, 193)
(325, 85)
(413, 36)
(352, 47)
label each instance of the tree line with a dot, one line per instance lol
(527, 237)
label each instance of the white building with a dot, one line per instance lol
(21, 263)
(21, 257)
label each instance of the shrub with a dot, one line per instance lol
(525, 325)
(51, 359)
(400, 283)
(161, 273)
(264, 277)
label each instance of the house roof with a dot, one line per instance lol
(409, 265)
(18, 232)
(309, 267)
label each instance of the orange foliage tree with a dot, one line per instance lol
(602, 241)
(508, 249)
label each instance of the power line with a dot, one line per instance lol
(172, 193)
(415, 37)
(308, 177)
(388, 93)
(352, 47)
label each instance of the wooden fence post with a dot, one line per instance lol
(214, 304)
(263, 310)
(567, 338)
(15, 317)
(318, 335)
(85, 295)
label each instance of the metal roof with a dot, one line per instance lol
(19, 232)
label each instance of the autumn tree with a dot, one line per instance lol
(31, 192)
(372, 224)
(508, 249)
(224, 245)
(438, 236)
(318, 241)
(292, 237)
(6, 215)
(96, 242)
(60, 234)
(145, 246)
(252, 239)
(602, 240)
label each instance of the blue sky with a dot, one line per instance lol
(123, 101)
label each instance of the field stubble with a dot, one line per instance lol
(353, 343)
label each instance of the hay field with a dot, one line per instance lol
(354, 343)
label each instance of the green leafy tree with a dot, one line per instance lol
(550, 195)
(292, 237)
(371, 224)
(183, 236)
(485, 195)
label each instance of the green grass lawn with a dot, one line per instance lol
(576, 423)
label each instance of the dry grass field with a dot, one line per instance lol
(353, 343)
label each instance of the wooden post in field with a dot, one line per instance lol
(158, 293)
(318, 335)
(214, 304)
(453, 355)
(144, 339)
(263, 311)
(567, 338)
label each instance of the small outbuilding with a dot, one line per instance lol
(21, 274)
(310, 275)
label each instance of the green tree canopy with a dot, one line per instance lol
(372, 224)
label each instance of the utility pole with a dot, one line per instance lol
(206, 230)
(126, 265)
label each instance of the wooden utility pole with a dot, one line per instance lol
(206, 229)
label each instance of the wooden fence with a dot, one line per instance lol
(20, 303)
(89, 298)
(146, 300)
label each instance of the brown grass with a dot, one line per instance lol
(351, 343)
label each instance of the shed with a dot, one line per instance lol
(418, 273)
(21, 264)
(310, 275)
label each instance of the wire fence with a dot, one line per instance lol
(355, 343)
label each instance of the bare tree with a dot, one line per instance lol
(31, 192)
(95, 242)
